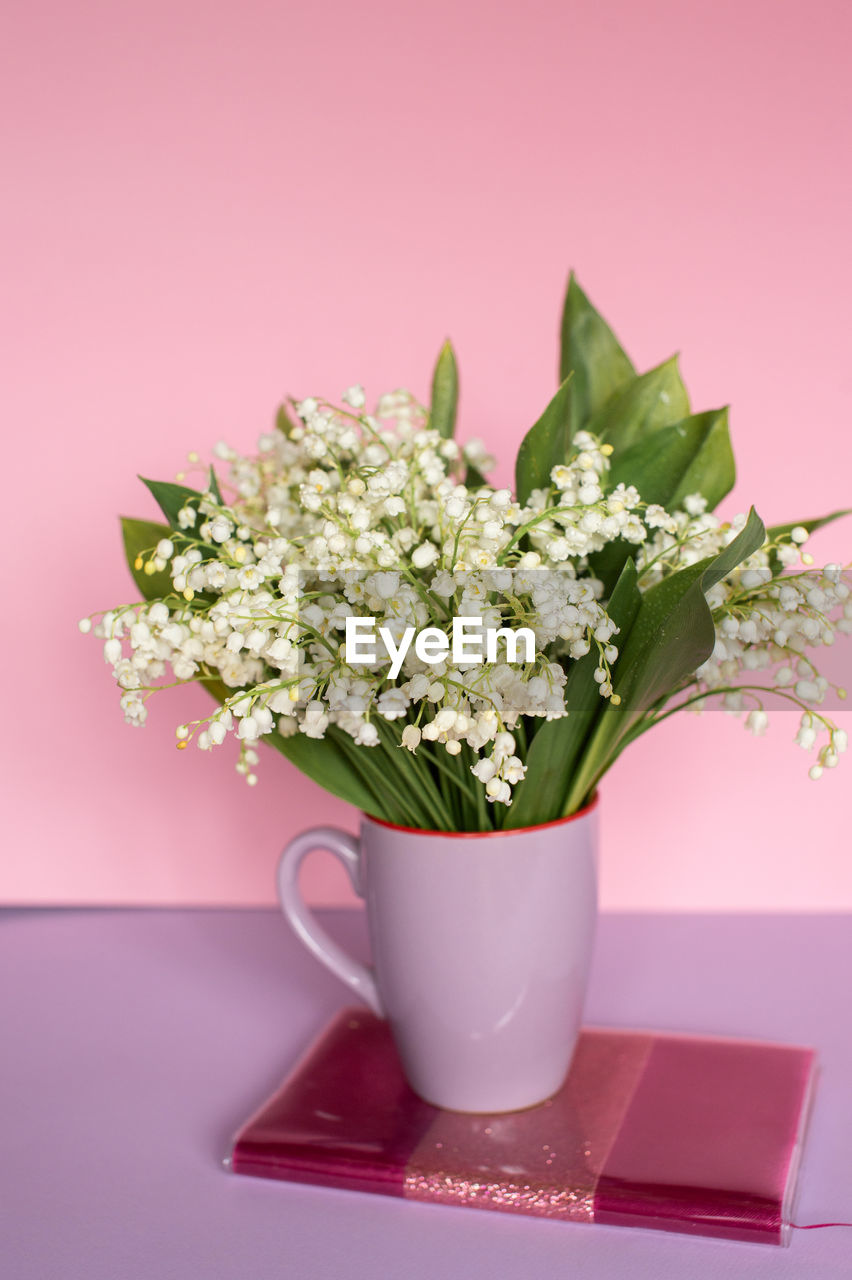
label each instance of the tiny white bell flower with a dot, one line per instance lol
(756, 722)
(484, 769)
(424, 555)
(445, 719)
(354, 396)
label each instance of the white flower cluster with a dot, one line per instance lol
(345, 512)
(768, 617)
(348, 513)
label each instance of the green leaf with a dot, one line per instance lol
(140, 538)
(213, 486)
(473, 478)
(320, 759)
(606, 565)
(784, 531)
(283, 422)
(674, 633)
(445, 392)
(672, 636)
(591, 352)
(171, 498)
(691, 456)
(558, 744)
(819, 522)
(645, 404)
(545, 445)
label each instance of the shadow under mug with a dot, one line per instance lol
(481, 945)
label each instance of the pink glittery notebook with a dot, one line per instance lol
(678, 1133)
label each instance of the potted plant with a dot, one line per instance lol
(463, 664)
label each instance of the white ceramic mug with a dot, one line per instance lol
(481, 945)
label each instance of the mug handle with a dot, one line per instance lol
(359, 977)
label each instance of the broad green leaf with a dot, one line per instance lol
(645, 404)
(324, 762)
(545, 445)
(664, 646)
(171, 498)
(672, 636)
(692, 456)
(358, 775)
(607, 564)
(591, 352)
(321, 759)
(445, 392)
(140, 538)
(558, 744)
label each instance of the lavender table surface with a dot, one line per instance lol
(135, 1042)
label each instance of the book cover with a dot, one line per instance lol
(674, 1132)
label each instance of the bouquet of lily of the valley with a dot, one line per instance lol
(449, 655)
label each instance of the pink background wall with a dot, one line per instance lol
(208, 205)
